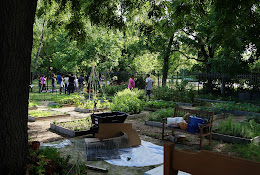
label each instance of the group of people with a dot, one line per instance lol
(148, 84)
(69, 83)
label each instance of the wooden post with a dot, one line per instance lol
(168, 157)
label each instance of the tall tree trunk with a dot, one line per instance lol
(166, 61)
(16, 28)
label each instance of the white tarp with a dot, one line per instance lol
(60, 145)
(144, 155)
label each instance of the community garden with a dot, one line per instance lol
(94, 87)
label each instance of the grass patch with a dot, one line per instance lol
(33, 104)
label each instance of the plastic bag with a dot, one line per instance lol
(194, 124)
(175, 121)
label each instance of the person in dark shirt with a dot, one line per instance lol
(81, 82)
(71, 87)
(40, 83)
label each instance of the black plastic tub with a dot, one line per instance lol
(106, 117)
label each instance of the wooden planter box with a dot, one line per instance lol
(68, 105)
(234, 139)
(68, 132)
(153, 123)
(33, 108)
(52, 116)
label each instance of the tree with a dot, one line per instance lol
(16, 28)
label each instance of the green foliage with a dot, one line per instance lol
(49, 161)
(180, 93)
(160, 114)
(128, 101)
(113, 89)
(246, 130)
(160, 104)
(77, 125)
(38, 113)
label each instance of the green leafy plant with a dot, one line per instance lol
(127, 101)
(225, 107)
(160, 114)
(49, 161)
(239, 129)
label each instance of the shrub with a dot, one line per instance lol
(181, 93)
(160, 104)
(160, 114)
(113, 89)
(127, 101)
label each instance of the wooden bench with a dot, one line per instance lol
(180, 112)
(205, 163)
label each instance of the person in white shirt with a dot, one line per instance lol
(66, 81)
(148, 85)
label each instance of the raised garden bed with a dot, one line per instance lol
(41, 115)
(73, 128)
(233, 139)
(32, 108)
(84, 110)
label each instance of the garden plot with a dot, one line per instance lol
(45, 114)
(73, 128)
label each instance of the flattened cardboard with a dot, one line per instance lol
(133, 138)
(110, 130)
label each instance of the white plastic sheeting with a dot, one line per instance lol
(144, 155)
(60, 145)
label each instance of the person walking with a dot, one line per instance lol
(76, 84)
(53, 80)
(66, 81)
(131, 84)
(71, 87)
(59, 79)
(43, 82)
(81, 82)
(40, 83)
(148, 85)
